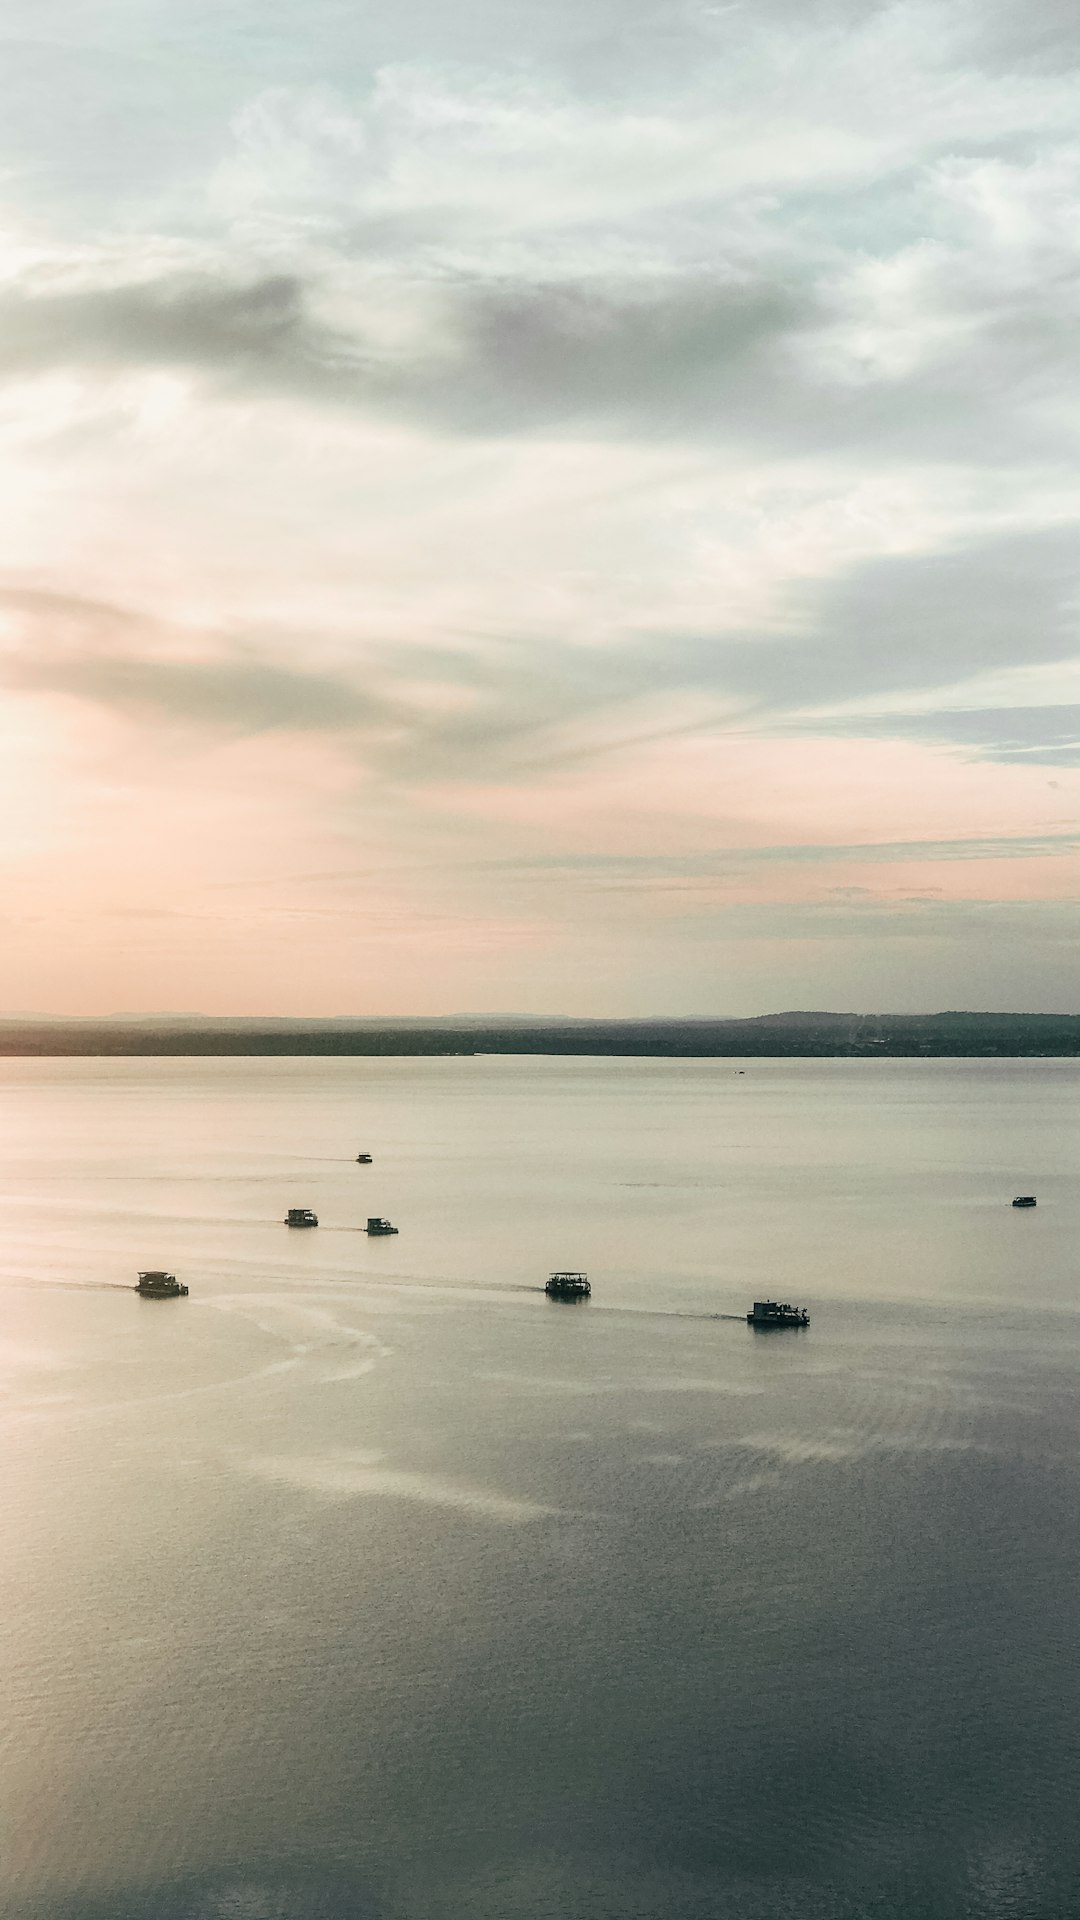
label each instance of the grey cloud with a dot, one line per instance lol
(507, 355)
(648, 868)
(903, 624)
(1047, 735)
(743, 358)
(72, 619)
(1014, 35)
(1053, 923)
(237, 694)
(121, 660)
(516, 709)
(117, 659)
(916, 621)
(906, 623)
(658, 355)
(654, 873)
(703, 353)
(763, 351)
(1061, 756)
(255, 329)
(734, 354)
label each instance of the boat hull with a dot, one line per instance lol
(777, 1313)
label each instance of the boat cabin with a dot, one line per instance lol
(301, 1217)
(376, 1225)
(156, 1285)
(774, 1313)
(568, 1286)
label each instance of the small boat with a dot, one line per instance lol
(155, 1285)
(301, 1217)
(378, 1226)
(773, 1313)
(1024, 1200)
(363, 1159)
(567, 1286)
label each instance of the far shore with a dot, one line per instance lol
(768, 1036)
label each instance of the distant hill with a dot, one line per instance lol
(773, 1035)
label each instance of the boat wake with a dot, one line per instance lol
(665, 1313)
(73, 1286)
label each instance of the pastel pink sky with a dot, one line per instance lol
(546, 534)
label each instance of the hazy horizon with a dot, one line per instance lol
(498, 1015)
(534, 505)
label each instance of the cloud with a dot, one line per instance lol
(130, 663)
(511, 706)
(1037, 735)
(469, 356)
(768, 347)
(921, 620)
(249, 330)
(648, 869)
(566, 440)
(236, 694)
(1009, 35)
(649, 356)
(961, 924)
(488, 711)
(734, 259)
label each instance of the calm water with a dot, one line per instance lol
(368, 1584)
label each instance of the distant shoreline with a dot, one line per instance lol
(771, 1036)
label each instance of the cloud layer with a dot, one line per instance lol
(594, 488)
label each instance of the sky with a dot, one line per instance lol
(539, 506)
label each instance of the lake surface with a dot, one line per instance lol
(368, 1584)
